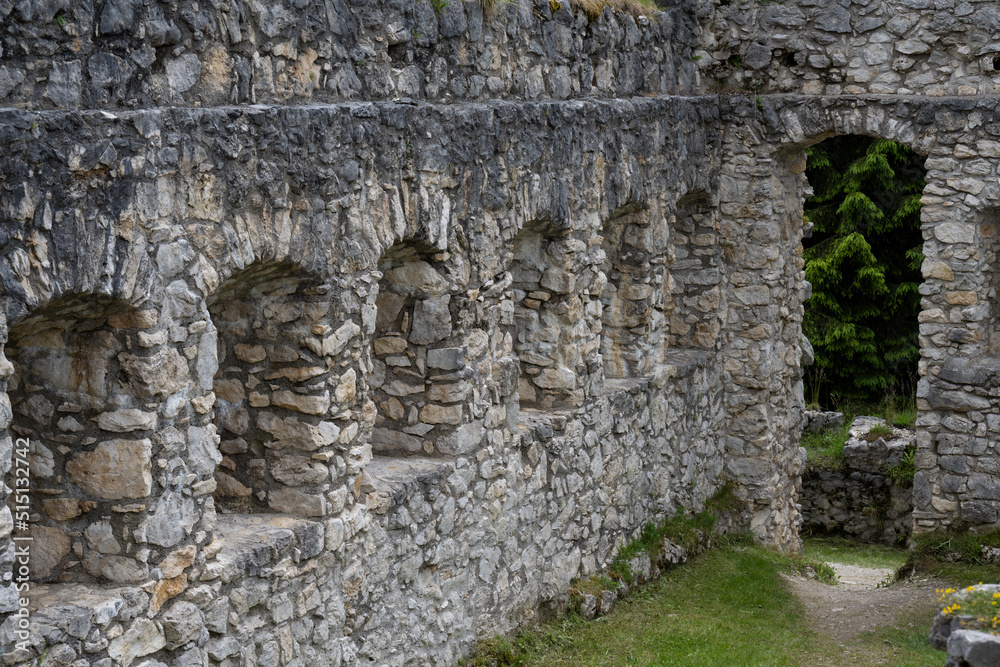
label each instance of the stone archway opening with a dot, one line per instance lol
(636, 299)
(73, 395)
(551, 338)
(422, 385)
(274, 390)
(863, 255)
(863, 252)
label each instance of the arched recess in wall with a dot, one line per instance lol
(83, 400)
(636, 298)
(695, 273)
(421, 383)
(284, 390)
(557, 351)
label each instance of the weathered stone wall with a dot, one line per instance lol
(896, 47)
(126, 54)
(386, 373)
(281, 315)
(859, 496)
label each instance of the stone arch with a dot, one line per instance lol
(422, 385)
(279, 391)
(696, 273)
(636, 297)
(557, 351)
(85, 404)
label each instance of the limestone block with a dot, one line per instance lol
(182, 623)
(955, 232)
(61, 509)
(293, 501)
(101, 538)
(417, 277)
(347, 389)
(449, 393)
(446, 358)
(49, 546)
(556, 378)
(310, 405)
(115, 469)
(119, 569)
(231, 391)
(251, 354)
(173, 517)
(389, 345)
(177, 561)
(334, 344)
(124, 421)
(558, 281)
(291, 432)
(387, 440)
(431, 320)
(142, 638)
(441, 414)
(299, 471)
(161, 374)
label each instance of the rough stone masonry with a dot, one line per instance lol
(348, 333)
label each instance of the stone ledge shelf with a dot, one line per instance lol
(396, 477)
(67, 612)
(253, 543)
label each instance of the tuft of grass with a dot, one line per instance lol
(877, 431)
(826, 449)
(903, 472)
(955, 546)
(594, 8)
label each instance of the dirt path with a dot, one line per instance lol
(840, 613)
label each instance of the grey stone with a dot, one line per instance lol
(431, 320)
(183, 72)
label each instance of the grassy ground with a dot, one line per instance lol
(849, 552)
(725, 608)
(827, 448)
(729, 607)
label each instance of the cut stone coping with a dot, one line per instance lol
(397, 476)
(253, 543)
(58, 611)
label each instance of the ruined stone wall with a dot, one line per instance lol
(889, 47)
(384, 373)
(261, 314)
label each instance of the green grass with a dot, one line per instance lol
(826, 449)
(727, 607)
(955, 557)
(849, 552)
(902, 644)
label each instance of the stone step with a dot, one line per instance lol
(396, 477)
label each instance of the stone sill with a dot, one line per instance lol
(253, 544)
(60, 611)
(395, 477)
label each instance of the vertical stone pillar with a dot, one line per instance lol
(761, 207)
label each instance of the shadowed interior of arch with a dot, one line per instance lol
(75, 365)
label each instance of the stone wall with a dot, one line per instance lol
(389, 361)
(860, 497)
(886, 47)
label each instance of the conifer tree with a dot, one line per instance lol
(863, 261)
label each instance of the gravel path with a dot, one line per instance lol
(855, 605)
